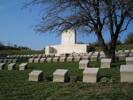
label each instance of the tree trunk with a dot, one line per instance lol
(113, 48)
(112, 52)
(103, 45)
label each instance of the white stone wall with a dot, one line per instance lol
(77, 48)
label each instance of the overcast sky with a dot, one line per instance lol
(17, 27)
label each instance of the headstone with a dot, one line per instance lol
(36, 60)
(122, 57)
(35, 55)
(69, 59)
(62, 59)
(31, 60)
(43, 55)
(77, 58)
(131, 53)
(55, 59)
(42, 60)
(129, 60)
(127, 52)
(14, 60)
(1, 60)
(83, 64)
(102, 55)
(11, 66)
(36, 75)
(60, 75)
(39, 55)
(49, 59)
(9, 60)
(85, 57)
(5, 60)
(120, 51)
(95, 56)
(105, 63)
(23, 66)
(90, 75)
(126, 72)
(2, 65)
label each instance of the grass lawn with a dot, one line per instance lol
(14, 85)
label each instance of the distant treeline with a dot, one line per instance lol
(17, 50)
(15, 47)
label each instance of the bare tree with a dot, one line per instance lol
(91, 16)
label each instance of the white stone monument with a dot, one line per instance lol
(68, 44)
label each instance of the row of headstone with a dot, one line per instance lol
(8, 60)
(120, 54)
(61, 75)
(31, 56)
(12, 66)
(86, 56)
(105, 63)
(54, 59)
(27, 56)
(65, 57)
(126, 71)
(89, 74)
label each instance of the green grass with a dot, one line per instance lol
(14, 85)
